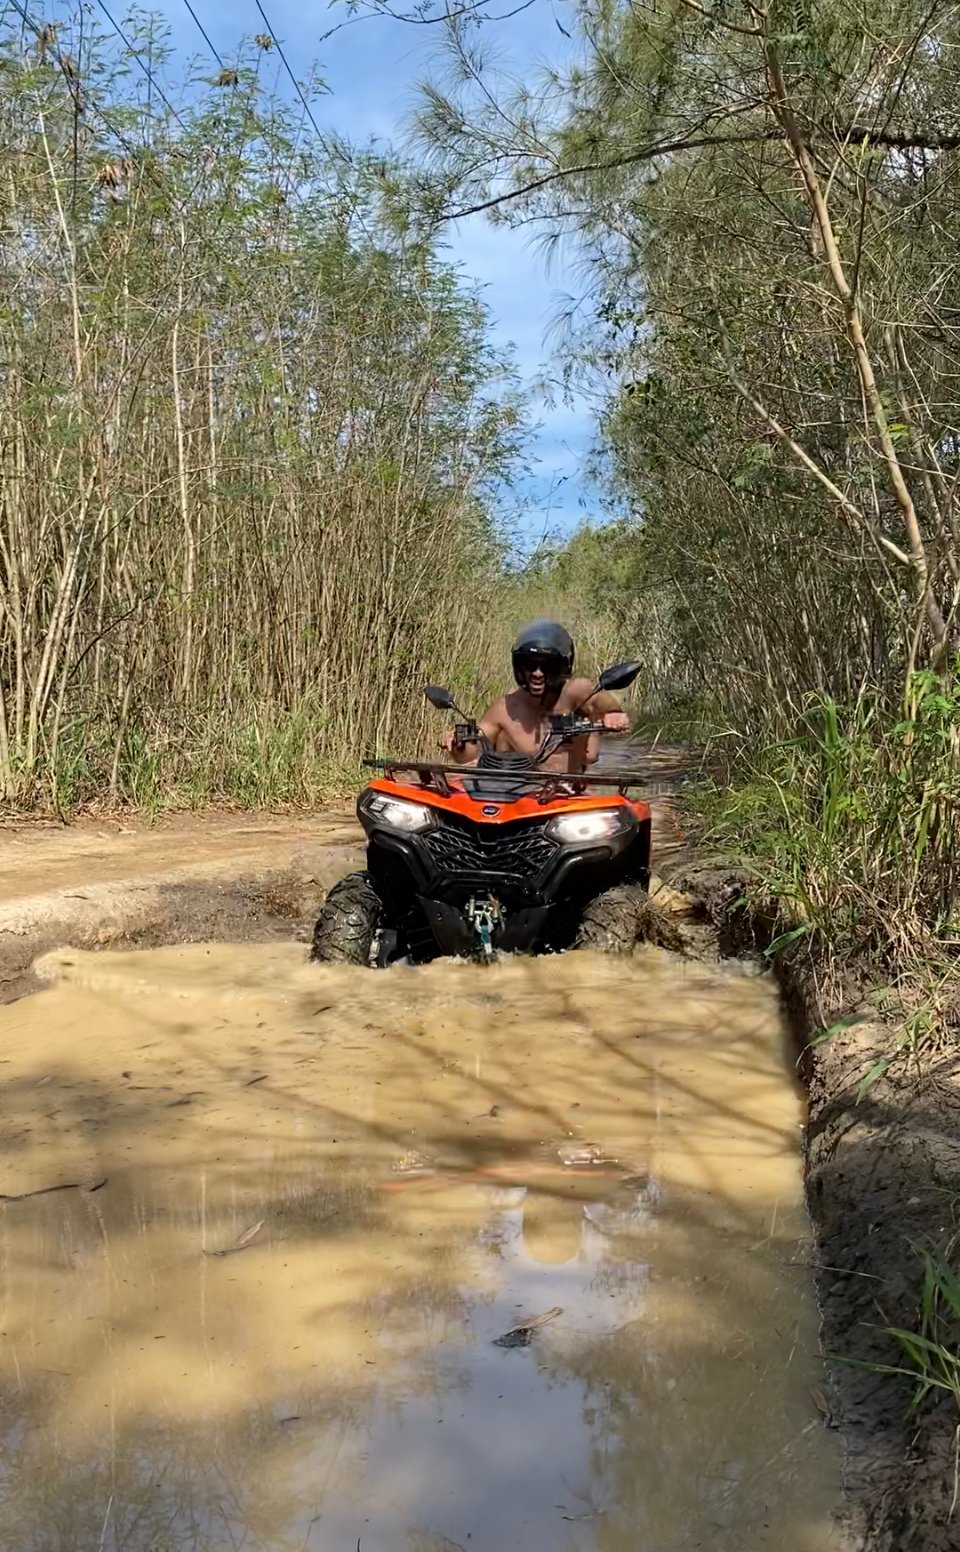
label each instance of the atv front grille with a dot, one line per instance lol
(497, 856)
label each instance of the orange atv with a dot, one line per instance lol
(501, 856)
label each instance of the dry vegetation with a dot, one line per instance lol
(252, 434)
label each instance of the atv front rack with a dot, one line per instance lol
(546, 781)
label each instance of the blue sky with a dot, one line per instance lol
(372, 69)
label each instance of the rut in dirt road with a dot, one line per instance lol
(330, 1197)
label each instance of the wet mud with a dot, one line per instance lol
(883, 1180)
(882, 1173)
(300, 1257)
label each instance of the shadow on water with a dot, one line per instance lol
(403, 1168)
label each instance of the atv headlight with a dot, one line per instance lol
(398, 813)
(595, 825)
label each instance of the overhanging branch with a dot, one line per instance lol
(893, 140)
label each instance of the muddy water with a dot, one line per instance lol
(304, 1204)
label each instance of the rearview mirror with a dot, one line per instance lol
(618, 676)
(439, 697)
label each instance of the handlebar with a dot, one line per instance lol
(544, 781)
(564, 728)
(571, 725)
(467, 733)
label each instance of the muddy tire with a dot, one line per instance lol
(347, 923)
(609, 922)
(614, 922)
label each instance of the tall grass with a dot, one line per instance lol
(251, 438)
(852, 825)
(261, 754)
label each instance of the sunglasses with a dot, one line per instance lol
(543, 660)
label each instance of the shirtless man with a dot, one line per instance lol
(519, 720)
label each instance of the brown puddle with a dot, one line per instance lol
(404, 1167)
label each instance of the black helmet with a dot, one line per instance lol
(547, 646)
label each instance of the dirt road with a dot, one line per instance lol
(439, 1260)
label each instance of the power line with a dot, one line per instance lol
(204, 34)
(144, 67)
(296, 84)
(82, 98)
(329, 146)
(209, 42)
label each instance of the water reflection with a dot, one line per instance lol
(433, 1159)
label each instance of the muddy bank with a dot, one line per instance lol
(192, 879)
(882, 1176)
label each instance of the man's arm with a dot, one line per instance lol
(467, 753)
(604, 707)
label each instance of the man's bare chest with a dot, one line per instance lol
(524, 728)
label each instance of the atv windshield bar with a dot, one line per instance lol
(541, 780)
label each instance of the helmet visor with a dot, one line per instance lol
(543, 658)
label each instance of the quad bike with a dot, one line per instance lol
(504, 856)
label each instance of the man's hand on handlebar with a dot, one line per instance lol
(570, 725)
(462, 742)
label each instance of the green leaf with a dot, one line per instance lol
(869, 1079)
(837, 1027)
(785, 939)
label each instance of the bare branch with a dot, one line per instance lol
(918, 141)
(645, 153)
(810, 464)
(857, 339)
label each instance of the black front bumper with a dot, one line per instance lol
(519, 932)
(516, 863)
(534, 878)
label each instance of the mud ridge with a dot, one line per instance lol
(248, 903)
(882, 1176)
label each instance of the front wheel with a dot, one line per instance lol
(615, 921)
(609, 921)
(348, 922)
